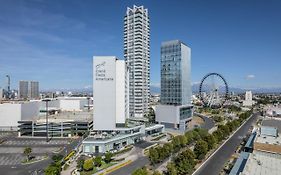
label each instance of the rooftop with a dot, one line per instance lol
(68, 116)
(272, 123)
(268, 140)
(263, 163)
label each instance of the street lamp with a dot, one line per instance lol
(47, 131)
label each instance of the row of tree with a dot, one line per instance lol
(185, 159)
(160, 153)
(90, 164)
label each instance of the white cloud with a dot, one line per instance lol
(250, 76)
(155, 85)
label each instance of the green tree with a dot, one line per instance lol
(57, 157)
(184, 162)
(189, 137)
(80, 163)
(171, 169)
(140, 171)
(202, 132)
(176, 142)
(52, 170)
(88, 165)
(167, 148)
(218, 135)
(153, 156)
(156, 173)
(211, 141)
(98, 161)
(108, 157)
(200, 149)
(182, 140)
(27, 151)
(224, 130)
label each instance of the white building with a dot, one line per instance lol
(110, 93)
(248, 99)
(67, 103)
(1, 94)
(137, 56)
(11, 113)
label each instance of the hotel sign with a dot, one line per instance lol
(101, 73)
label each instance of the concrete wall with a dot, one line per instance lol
(167, 114)
(70, 105)
(66, 104)
(104, 70)
(120, 92)
(10, 113)
(186, 74)
(30, 110)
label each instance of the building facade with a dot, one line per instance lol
(23, 90)
(137, 56)
(11, 113)
(248, 99)
(29, 90)
(110, 93)
(34, 90)
(175, 110)
(175, 73)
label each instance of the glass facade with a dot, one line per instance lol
(175, 73)
(185, 113)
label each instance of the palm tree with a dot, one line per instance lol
(27, 151)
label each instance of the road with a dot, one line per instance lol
(138, 163)
(215, 164)
(208, 122)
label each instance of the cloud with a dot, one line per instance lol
(155, 85)
(250, 76)
(88, 87)
(196, 82)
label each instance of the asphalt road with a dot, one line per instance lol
(215, 164)
(208, 122)
(140, 162)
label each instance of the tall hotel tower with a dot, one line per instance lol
(137, 56)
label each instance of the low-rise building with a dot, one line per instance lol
(67, 103)
(12, 112)
(64, 124)
(266, 156)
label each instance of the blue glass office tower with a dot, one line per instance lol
(175, 73)
(175, 110)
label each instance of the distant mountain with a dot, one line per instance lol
(195, 89)
(157, 90)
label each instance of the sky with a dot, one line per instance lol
(54, 41)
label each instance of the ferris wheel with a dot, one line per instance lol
(213, 90)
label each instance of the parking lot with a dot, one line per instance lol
(11, 150)
(33, 142)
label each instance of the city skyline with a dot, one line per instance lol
(43, 42)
